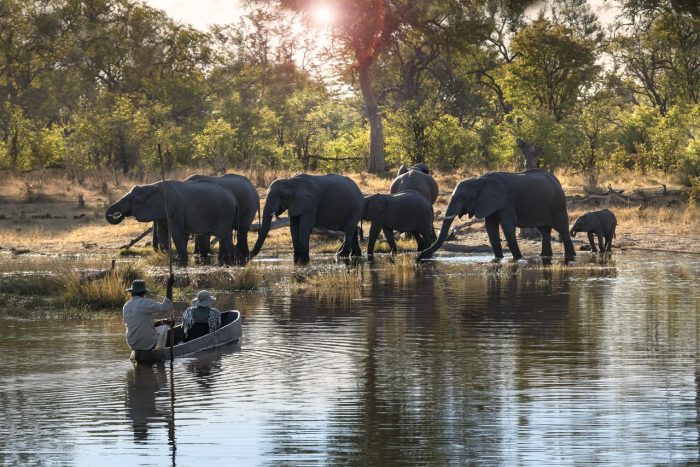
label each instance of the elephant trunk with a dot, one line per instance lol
(116, 213)
(576, 228)
(444, 231)
(262, 233)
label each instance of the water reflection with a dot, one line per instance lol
(449, 363)
(143, 384)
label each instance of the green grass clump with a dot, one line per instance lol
(249, 277)
(138, 251)
(329, 283)
(105, 292)
(29, 284)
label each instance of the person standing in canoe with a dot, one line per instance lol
(200, 318)
(141, 332)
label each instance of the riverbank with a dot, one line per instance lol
(48, 214)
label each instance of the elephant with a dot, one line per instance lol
(407, 211)
(419, 166)
(533, 198)
(248, 205)
(198, 207)
(416, 178)
(601, 223)
(332, 202)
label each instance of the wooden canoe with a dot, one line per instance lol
(230, 331)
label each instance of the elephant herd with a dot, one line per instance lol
(204, 206)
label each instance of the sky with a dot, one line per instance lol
(200, 13)
(203, 13)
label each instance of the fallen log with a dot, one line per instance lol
(589, 191)
(136, 239)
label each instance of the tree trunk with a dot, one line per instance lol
(376, 129)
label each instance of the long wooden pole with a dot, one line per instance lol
(170, 256)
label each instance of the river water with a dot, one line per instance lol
(457, 362)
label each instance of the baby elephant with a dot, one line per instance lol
(602, 223)
(408, 211)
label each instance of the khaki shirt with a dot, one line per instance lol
(140, 333)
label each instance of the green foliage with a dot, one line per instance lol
(87, 85)
(216, 144)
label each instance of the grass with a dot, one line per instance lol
(329, 283)
(39, 284)
(106, 292)
(248, 278)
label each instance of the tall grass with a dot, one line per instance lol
(329, 283)
(247, 278)
(106, 292)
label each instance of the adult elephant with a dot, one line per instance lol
(198, 207)
(416, 178)
(331, 202)
(407, 211)
(533, 198)
(248, 205)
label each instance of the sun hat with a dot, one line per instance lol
(138, 286)
(204, 298)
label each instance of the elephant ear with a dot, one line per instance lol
(493, 197)
(151, 205)
(303, 201)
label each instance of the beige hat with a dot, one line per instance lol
(204, 298)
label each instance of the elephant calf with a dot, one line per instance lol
(408, 211)
(601, 223)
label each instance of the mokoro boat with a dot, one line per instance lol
(230, 331)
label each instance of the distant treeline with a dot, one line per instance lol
(97, 84)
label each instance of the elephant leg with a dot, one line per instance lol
(180, 240)
(227, 251)
(347, 246)
(373, 234)
(389, 234)
(294, 230)
(601, 246)
(592, 242)
(202, 246)
(608, 243)
(494, 236)
(569, 252)
(242, 247)
(161, 235)
(546, 233)
(509, 232)
(154, 242)
(419, 241)
(356, 250)
(306, 225)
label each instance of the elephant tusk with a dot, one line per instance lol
(116, 215)
(450, 217)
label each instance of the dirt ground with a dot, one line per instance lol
(43, 213)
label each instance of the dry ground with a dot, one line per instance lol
(40, 212)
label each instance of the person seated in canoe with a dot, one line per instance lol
(141, 332)
(200, 318)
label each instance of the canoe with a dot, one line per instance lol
(229, 331)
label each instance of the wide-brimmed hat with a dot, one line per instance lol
(204, 298)
(138, 286)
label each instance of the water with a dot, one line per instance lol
(452, 364)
